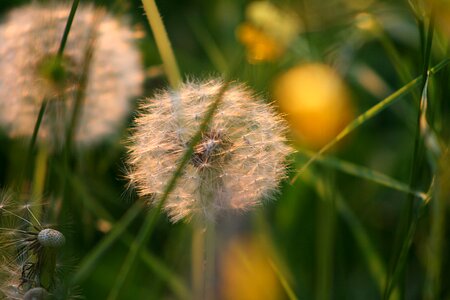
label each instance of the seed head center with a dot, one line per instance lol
(211, 150)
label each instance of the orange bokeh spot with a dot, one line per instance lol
(316, 102)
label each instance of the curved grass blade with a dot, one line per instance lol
(283, 280)
(365, 173)
(370, 113)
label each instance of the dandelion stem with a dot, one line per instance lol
(148, 226)
(41, 113)
(210, 261)
(163, 43)
(37, 125)
(197, 259)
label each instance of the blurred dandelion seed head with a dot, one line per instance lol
(31, 71)
(316, 101)
(239, 161)
(267, 31)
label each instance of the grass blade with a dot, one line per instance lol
(162, 42)
(365, 173)
(410, 217)
(283, 280)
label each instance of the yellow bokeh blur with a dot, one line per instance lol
(316, 102)
(246, 273)
(260, 46)
(267, 31)
(442, 14)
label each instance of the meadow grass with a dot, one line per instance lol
(310, 254)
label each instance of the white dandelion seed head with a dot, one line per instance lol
(30, 36)
(239, 161)
(51, 238)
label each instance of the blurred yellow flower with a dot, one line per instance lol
(316, 102)
(442, 14)
(246, 273)
(267, 31)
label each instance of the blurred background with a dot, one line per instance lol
(334, 232)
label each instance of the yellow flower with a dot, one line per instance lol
(316, 102)
(267, 32)
(246, 273)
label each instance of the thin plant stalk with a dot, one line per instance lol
(162, 42)
(325, 240)
(410, 218)
(434, 264)
(39, 177)
(210, 261)
(43, 107)
(197, 259)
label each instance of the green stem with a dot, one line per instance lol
(411, 214)
(197, 260)
(325, 241)
(40, 174)
(163, 43)
(148, 226)
(210, 261)
(437, 232)
(63, 43)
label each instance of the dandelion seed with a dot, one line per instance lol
(243, 143)
(31, 71)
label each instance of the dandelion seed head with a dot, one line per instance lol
(51, 238)
(31, 71)
(238, 162)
